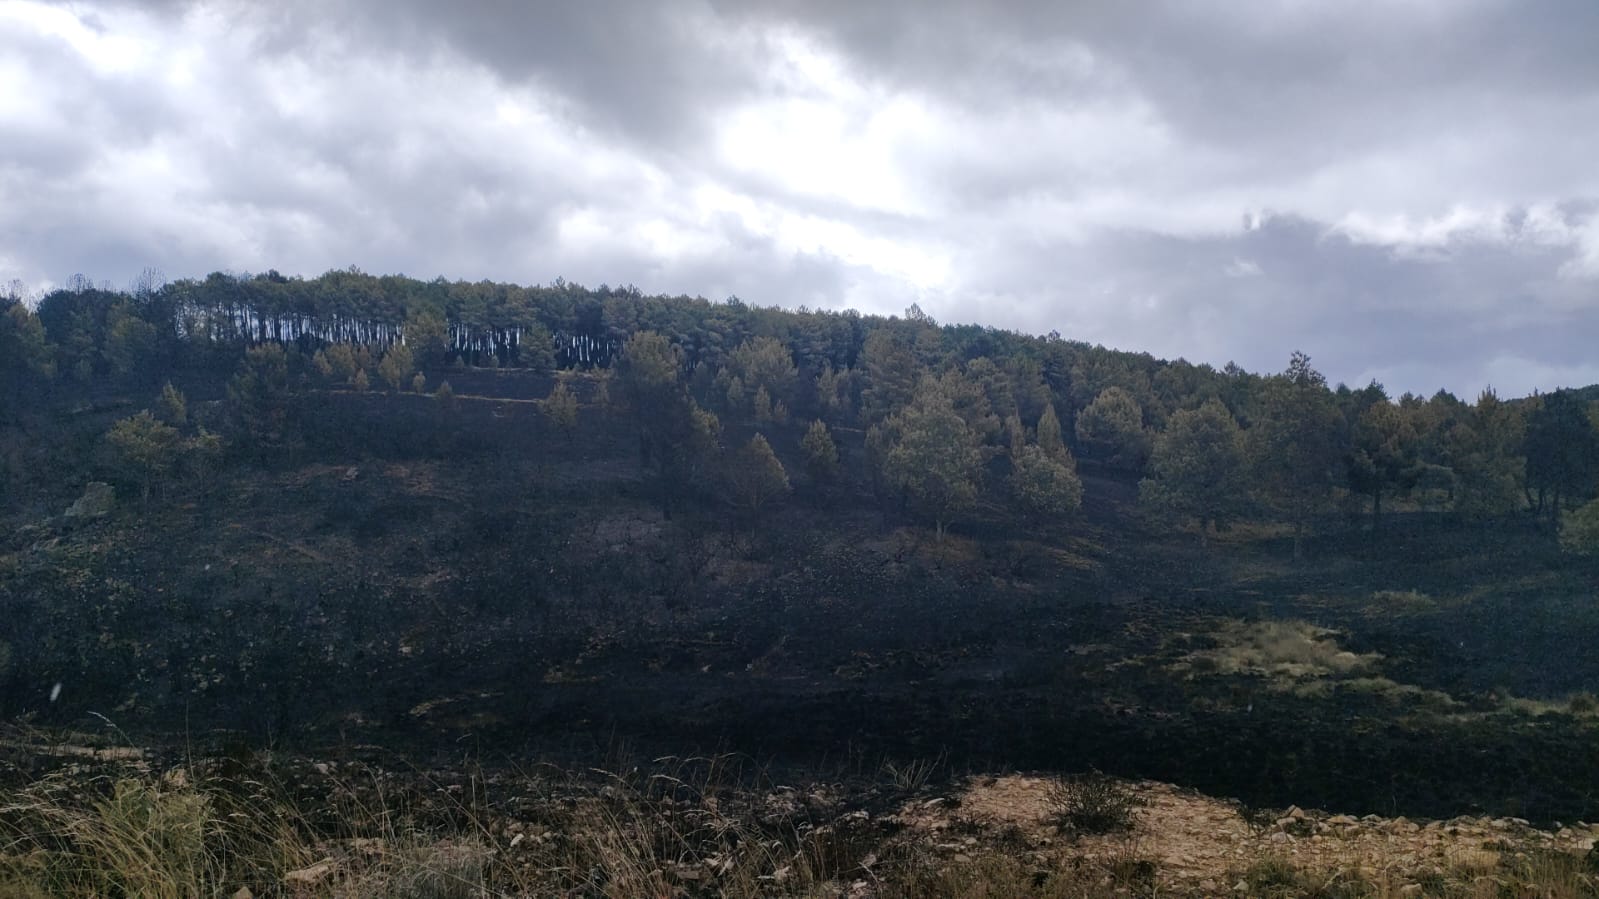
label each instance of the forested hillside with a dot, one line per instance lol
(956, 417)
(378, 509)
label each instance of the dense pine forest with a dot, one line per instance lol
(355, 509)
(962, 424)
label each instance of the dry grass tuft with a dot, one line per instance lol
(1285, 649)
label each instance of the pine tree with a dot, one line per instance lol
(1016, 436)
(1044, 486)
(146, 448)
(428, 337)
(1562, 451)
(765, 363)
(821, 453)
(1485, 450)
(1199, 468)
(397, 366)
(755, 477)
(172, 408)
(561, 407)
(892, 374)
(1112, 428)
(1384, 455)
(1293, 447)
(934, 458)
(1049, 439)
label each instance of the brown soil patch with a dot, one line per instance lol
(1196, 841)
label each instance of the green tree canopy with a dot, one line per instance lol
(933, 457)
(24, 348)
(765, 363)
(1198, 467)
(1049, 437)
(821, 453)
(1485, 453)
(677, 438)
(1112, 429)
(258, 398)
(1043, 485)
(131, 343)
(145, 448)
(1579, 530)
(397, 366)
(172, 408)
(1562, 450)
(427, 336)
(892, 374)
(1384, 454)
(561, 407)
(1294, 447)
(650, 369)
(755, 476)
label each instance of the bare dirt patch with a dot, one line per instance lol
(1197, 842)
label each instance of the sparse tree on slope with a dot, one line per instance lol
(821, 453)
(258, 398)
(172, 408)
(1049, 439)
(561, 407)
(676, 436)
(146, 448)
(397, 366)
(756, 477)
(934, 460)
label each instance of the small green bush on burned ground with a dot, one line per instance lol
(1091, 804)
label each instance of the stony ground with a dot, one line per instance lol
(696, 827)
(1201, 843)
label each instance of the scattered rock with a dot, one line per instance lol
(310, 875)
(97, 501)
(243, 893)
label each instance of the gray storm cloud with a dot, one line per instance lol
(1403, 189)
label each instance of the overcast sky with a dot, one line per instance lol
(1408, 190)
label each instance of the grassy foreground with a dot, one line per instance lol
(80, 822)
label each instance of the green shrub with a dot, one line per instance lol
(1091, 804)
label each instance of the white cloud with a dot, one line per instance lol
(1243, 268)
(1351, 179)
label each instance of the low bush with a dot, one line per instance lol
(1091, 804)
